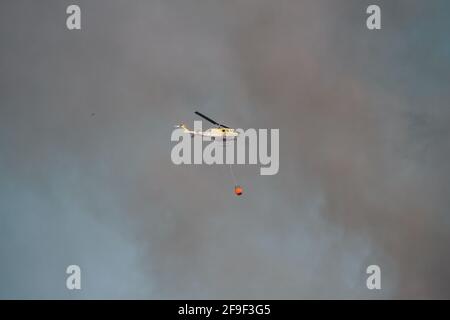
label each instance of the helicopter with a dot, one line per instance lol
(220, 132)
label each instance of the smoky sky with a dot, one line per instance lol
(86, 176)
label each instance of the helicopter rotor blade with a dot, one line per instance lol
(210, 120)
(207, 118)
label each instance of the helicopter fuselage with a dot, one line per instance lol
(216, 133)
(221, 132)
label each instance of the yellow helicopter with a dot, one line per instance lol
(220, 132)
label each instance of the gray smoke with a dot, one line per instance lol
(86, 175)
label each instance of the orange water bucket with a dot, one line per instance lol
(238, 190)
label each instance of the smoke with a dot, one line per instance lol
(86, 176)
